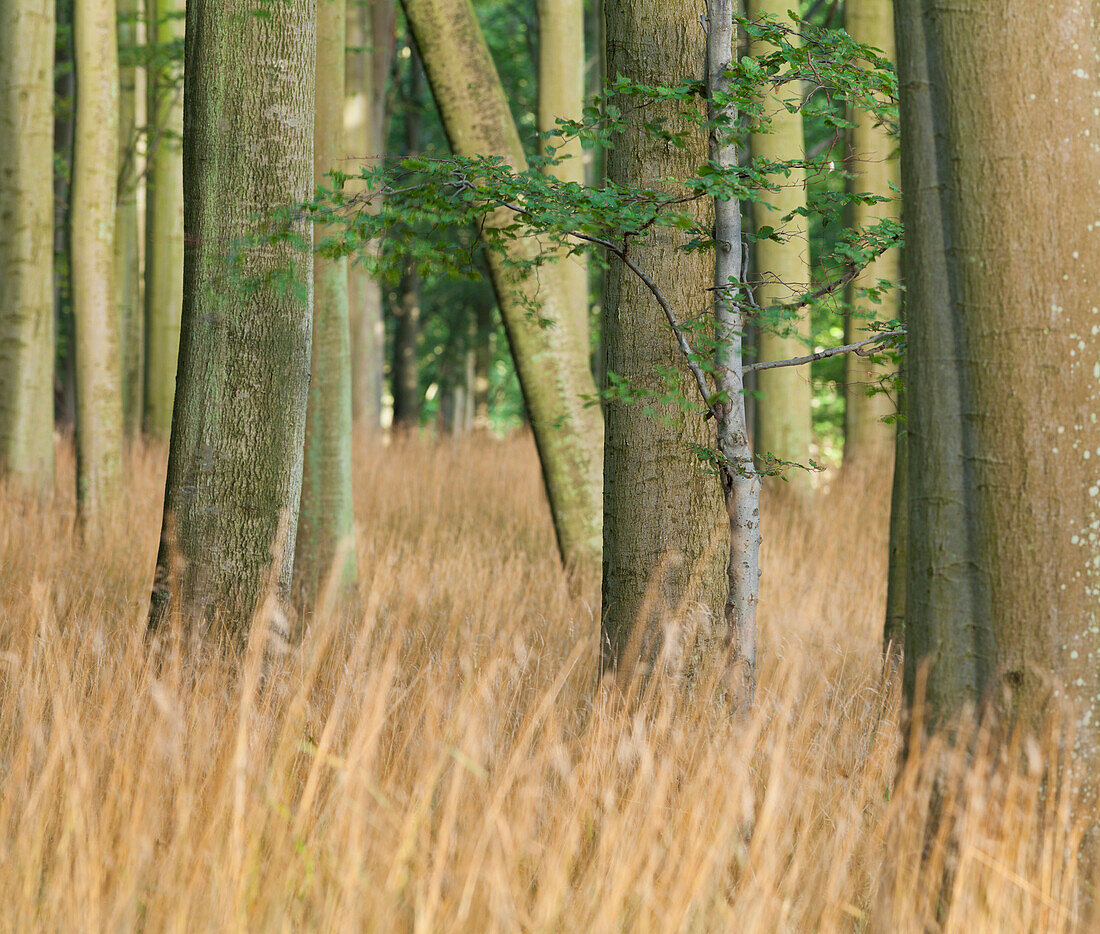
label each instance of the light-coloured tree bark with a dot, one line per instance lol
(552, 366)
(561, 96)
(131, 313)
(95, 161)
(235, 460)
(371, 31)
(662, 510)
(163, 226)
(1023, 329)
(326, 518)
(873, 162)
(26, 242)
(783, 413)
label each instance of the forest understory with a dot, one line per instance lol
(437, 755)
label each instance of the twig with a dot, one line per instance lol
(822, 354)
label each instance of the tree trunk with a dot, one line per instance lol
(371, 31)
(662, 509)
(131, 326)
(552, 367)
(874, 165)
(63, 129)
(95, 160)
(561, 95)
(326, 517)
(405, 378)
(783, 412)
(235, 460)
(893, 638)
(26, 242)
(163, 228)
(1022, 267)
(482, 361)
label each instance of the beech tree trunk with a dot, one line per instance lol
(662, 510)
(552, 366)
(326, 518)
(404, 375)
(95, 162)
(874, 165)
(235, 460)
(26, 242)
(163, 228)
(783, 413)
(1004, 546)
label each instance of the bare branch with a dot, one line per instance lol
(857, 348)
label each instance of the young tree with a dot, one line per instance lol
(1002, 312)
(235, 459)
(95, 163)
(26, 242)
(552, 367)
(325, 525)
(163, 217)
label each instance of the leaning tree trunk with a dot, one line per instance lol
(867, 435)
(235, 460)
(163, 227)
(561, 96)
(783, 412)
(552, 366)
(1022, 266)
(325, 524)
(26, 242)
(662, 509)
(95, 161)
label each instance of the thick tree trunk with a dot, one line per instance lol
(874, 165)
(552, 366)
(26, 242)
(1022, 266)
(783, 413)
(326, 517)
(163, 229)
(662, 509)
(561, 95)
(404, 375)
(95, 161)
(235, 461)
(131, 325)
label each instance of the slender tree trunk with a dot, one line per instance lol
(552, 367)
(63, 127)
(874, 165)
(26, 242)
(235, 460)
(131, 325)
(405, 377)
(1022, 267)
(163, 227)
(95, 160)
(371, 31)
(326, 518)
(894, 631)
(482, 361)
(783, 413)
(561, 95)
(662, 509)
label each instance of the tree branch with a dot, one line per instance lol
(857, 348)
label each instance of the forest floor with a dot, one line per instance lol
(437, 756)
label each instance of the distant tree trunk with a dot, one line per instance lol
(371, 31)
(783, 413)
(482, 360)
(326, 518)
(95, 162)
(1022, 327)
(26, 242)
(552, 367)
(235, 460)
(405, 378)
(131, 326)
(874, 163)
(561, 95)
(163, 228)
(662, 509)
(63, 127)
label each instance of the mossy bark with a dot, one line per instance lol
(26, 242)
(663, 514)
(235, 460)
(552, 366)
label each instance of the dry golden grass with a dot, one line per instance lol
(438, 757)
